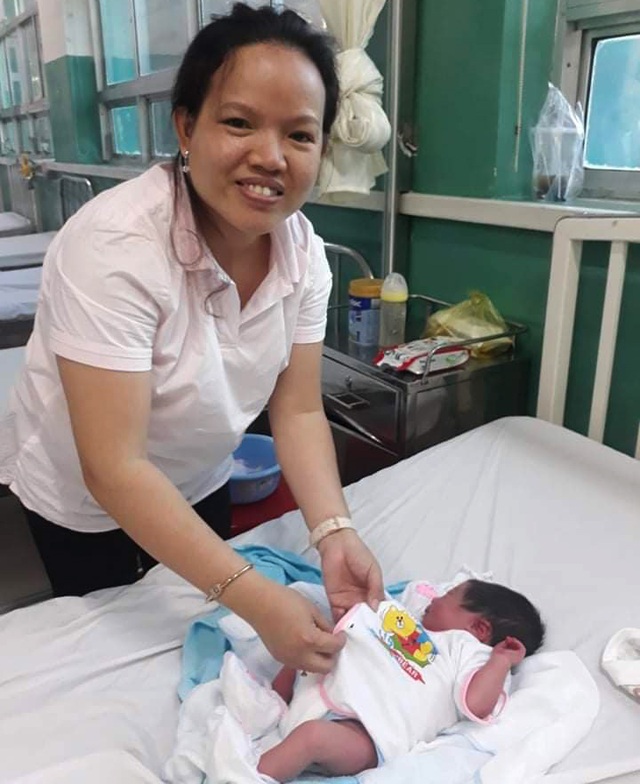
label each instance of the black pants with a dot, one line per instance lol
(77, 563)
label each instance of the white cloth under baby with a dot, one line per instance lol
(621, 660)
(224, 726)
(404, 684)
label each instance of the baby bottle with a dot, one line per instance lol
(393, 310)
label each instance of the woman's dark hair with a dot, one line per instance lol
(246, 26)
(510, 613)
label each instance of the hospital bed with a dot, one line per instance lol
(12, 224)
(89, 684)
(21, 259)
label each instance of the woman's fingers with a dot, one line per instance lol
(295, 631)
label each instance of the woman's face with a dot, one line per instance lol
(255, 148)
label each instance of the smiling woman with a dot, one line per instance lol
(174, 307)
(254, 151)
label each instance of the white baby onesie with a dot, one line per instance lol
(402, 683)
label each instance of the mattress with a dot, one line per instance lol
(24, 250)
(548, 511)
(11, 360)
(19, 290)
(12, 224)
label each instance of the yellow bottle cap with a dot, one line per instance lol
(365, 287)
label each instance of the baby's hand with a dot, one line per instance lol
(511, 649)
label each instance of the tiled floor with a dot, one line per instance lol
(22, 576)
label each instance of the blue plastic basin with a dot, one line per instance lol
(256, 472)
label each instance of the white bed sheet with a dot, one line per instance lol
(12, 224)
(11, 360)
(551, 513)
(19, 291)
(26, 249)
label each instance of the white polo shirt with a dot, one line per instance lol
(115, 296)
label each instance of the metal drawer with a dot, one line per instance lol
(368, 405)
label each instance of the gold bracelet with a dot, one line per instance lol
(216, 591)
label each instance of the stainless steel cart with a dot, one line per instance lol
(380, 416)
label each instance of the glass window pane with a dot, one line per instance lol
(13, 59)
(118, 40)
(11, 8)
(43, 135)
(165, 143)
(33, 60)
(210, 9)
(162, 34)
(613, 121)
(3, 139)
(5, 92)
(26, 140)
(9, 134)
(126, 130)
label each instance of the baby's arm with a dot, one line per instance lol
(487, 683)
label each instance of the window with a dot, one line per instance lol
(142, 44)
(24, 121)
(139, 47)
(164, 140)
(601, 59)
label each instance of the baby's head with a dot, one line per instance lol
(488, 611)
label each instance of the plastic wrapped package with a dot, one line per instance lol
(475, 317)
(557, 142)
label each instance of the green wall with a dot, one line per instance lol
(75, 124)
(467, 94)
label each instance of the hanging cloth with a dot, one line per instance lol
(353, 159)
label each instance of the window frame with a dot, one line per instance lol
(139, 92)
(578, 46)
(28, 110)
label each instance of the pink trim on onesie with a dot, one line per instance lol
(321, 687)
(499, 707)
(345, 619)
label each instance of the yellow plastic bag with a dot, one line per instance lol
(472, 318)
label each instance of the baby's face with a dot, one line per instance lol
(446, 612)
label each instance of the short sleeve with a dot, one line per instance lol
(312, 317)
(103, 290)
(468, 656)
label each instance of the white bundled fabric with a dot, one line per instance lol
(362, 128)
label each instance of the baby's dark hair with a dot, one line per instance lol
(510, 613)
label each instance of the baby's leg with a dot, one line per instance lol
(341, 748)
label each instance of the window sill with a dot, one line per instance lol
(534, 216)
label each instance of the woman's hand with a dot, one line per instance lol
(294, 630)
(351, 573)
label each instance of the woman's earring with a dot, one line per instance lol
(185, 162)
